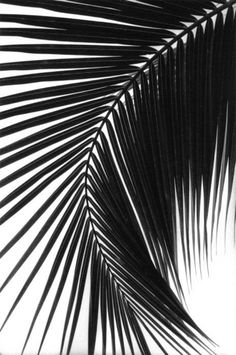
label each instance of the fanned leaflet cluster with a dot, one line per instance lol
(131, 102)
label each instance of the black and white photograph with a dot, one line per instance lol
(118, 177)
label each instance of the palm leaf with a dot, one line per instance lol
(143, 106)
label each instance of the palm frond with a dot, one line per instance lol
(132, 103)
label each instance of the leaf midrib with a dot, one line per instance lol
(175, 39)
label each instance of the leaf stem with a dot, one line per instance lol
(126, 87)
